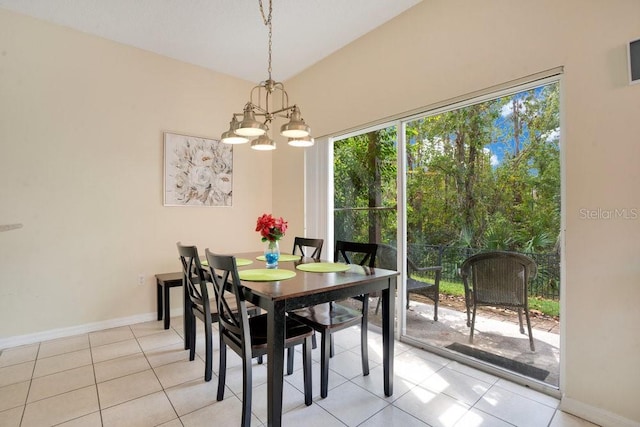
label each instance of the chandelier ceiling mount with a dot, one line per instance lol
(268, 100)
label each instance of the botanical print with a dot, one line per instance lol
(197, 171)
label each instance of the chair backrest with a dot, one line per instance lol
(498, 277)
(193, 277)
(356, 253)
(300, 243)
(233, 319)
(387, 258)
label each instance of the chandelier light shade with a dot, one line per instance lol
(231, 137)
(249, 126)
(268, 101)
(263, 143)
(305, 141)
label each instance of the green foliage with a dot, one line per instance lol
(457, 193)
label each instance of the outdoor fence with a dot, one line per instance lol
(354, 224)
(545, 285)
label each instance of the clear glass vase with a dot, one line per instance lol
(272, 254)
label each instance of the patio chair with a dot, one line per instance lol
(498, 279)
(247, 336)
(420, 280)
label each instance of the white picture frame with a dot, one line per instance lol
(197, 171)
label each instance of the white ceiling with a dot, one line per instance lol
(227, 36)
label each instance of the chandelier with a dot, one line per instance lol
(268, 100)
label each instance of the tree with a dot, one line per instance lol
(486, 175)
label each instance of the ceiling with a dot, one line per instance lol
(227, 36)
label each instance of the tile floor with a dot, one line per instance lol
(139, 375)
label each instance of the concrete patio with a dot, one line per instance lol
(496, 333)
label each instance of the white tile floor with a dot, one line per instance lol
(139, 375)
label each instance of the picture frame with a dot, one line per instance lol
(197, 171)
(633, 59)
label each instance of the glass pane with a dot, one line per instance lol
(365, 208)
(479, 178)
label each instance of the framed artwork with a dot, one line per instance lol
(197, 171)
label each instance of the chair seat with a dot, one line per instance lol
(332, 316)
(295, 332)
(423, 288)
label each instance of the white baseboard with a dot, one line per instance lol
(595, 415)
(76, 330)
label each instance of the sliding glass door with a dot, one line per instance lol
(435, 188)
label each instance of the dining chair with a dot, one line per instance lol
(198, 304)
(247, 336)
(300, 244)
(303, 245)
(332, 317)
(498, 279)
(424, 281)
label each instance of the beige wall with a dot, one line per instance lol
(442, 49)
(81, 166)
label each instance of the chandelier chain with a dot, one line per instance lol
(267, 22)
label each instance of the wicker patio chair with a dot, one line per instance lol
(498, 279)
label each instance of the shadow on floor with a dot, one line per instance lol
(497, 339)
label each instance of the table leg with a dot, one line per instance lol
(275, 365)
(159, 298)
(388, 309)
(167, 306)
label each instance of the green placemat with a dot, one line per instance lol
(265, 274)
(283, 257)
(324, 267)
(239, 262)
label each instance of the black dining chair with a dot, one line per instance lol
(303, 245)
(199, 305)
(247, 336)
(332, 317)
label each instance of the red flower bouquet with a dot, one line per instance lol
(271, 229)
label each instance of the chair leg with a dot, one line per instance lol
(314, 344)
(473, 324)
(331, 346)
(435, 308)
(290, 354)
(208, 359)
(378, 305)
(222, 371)
(246, 391)
(192, 337)
(520, 320)
(324, 363)
(364, 342)
(306, 366)
(533, 348)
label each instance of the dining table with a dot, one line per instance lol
(308, 288)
